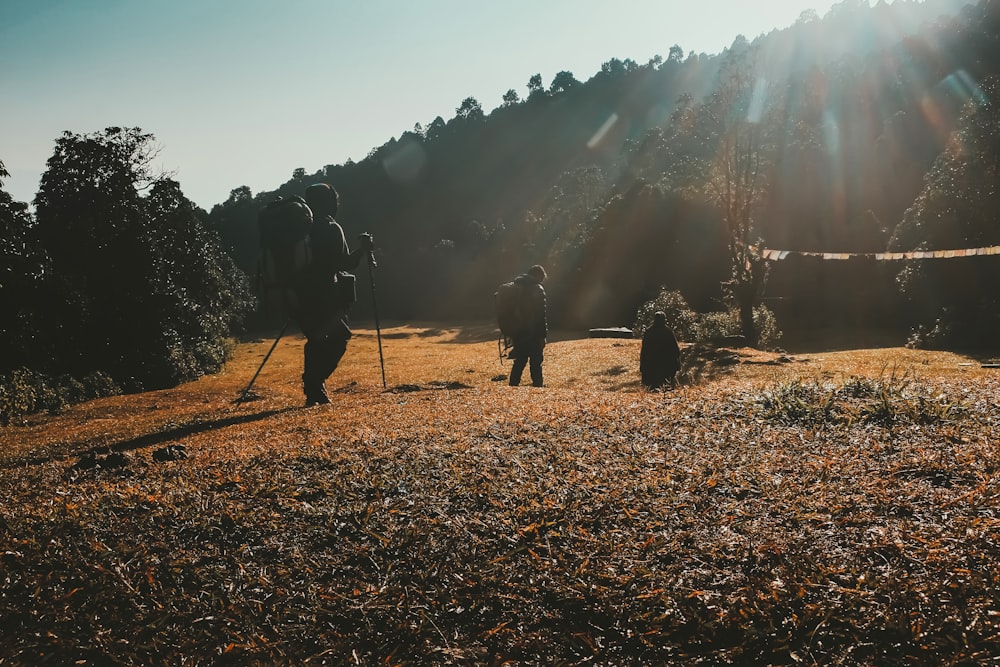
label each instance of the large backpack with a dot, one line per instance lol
(285, 255)
(512, 317)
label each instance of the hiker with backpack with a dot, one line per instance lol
(305, 263)
(522, 319)
(326, 292)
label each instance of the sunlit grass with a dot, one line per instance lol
(765, 511)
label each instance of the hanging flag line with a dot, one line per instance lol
(774, 255)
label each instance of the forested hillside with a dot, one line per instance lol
(609, 182)
(864, 130)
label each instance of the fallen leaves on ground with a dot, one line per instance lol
(758, 514)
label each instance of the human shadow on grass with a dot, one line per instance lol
(432, 385)
(462, 334)
(704, 363)
(458, 333)
(150, 439)
(699, 363)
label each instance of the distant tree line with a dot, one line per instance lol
(670, 173)
(867, 129)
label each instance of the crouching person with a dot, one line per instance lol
(660, 355)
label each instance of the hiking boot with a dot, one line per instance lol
(316, 396)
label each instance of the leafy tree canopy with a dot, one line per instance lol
(138, 287)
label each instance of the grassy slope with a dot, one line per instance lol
(838, 507)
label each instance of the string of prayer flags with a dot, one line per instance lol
(776, 255)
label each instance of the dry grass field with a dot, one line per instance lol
(809, 508)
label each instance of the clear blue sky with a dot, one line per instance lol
(241, 92)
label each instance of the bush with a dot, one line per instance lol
(99, 385)
(766, 323)
(933, 337)
(680, 318)
(716, 326)
(24, 392)
(693, 327)
(883, 401)
(21, 392)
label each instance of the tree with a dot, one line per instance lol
(613, 67)
(739, 178)
(235, 222)
(675, 157)
(436, 130)
(510, 98)
(241, 194)
(22, 265)
(536, 89)
(568, 212)
(90, 223)
(119, 305)
(562, 82)
(470, 110)
(807, 16)
(956, 299)
(205, 295)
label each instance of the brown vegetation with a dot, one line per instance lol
(838, 507)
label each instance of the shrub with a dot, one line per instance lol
(716, 326)
(99, 385)
(693, 327)
(930, 337)
(680, 318)
(24, 392)
(883, 401)
(768, 333)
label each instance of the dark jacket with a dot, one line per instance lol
(326, 287)
(534, 306)
(660, 356)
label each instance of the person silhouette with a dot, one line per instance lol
(660, 355)
(529, 342)
(327, 295)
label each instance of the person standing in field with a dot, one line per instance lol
(660, 355)
(529, 341)
(327, 292)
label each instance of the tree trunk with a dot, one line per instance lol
(746, 318)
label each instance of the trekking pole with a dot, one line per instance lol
(378, 328)
(246, 391)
